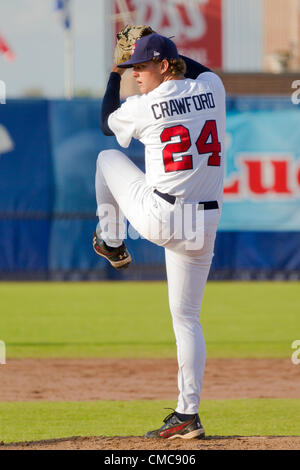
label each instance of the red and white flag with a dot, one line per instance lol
(5, 49)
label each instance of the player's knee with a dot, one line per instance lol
(102, 156)
(109, 156)
(185, 314)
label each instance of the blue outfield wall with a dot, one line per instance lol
(48, 152)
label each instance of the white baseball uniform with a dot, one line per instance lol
(182, 125)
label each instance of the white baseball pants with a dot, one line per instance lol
(122, 192)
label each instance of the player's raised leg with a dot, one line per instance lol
(115, 175)
(121, 192)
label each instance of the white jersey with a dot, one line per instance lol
(182, 125)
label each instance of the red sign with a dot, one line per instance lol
(195, 24)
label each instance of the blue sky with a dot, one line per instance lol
(34, 31)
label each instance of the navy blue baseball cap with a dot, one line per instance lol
(150, 47)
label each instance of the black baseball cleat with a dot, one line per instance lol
(174, 428)
(119, 257)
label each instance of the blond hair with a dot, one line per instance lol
(176, 66)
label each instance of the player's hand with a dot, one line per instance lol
(126, 39)
(118, 70)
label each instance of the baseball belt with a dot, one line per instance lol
(171, 199)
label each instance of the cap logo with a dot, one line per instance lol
(133, 49)
(155, 53)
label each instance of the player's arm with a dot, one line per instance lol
(111, 99)
(193, 68)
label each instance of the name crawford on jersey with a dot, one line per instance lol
(183, 105)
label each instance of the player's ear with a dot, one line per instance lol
(164, 65)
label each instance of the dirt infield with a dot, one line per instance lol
(147, 379)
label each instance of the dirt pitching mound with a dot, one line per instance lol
(140, 443)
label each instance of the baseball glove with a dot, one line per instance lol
(126, 39)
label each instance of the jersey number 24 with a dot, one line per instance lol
(186, 163)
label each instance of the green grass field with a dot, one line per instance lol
(132, 320)
(45, 420)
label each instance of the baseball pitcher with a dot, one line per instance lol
(180, 119)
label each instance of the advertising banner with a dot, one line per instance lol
(262, 184)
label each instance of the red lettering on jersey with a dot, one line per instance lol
(214, 146)
(208, 132)
(186, 162)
